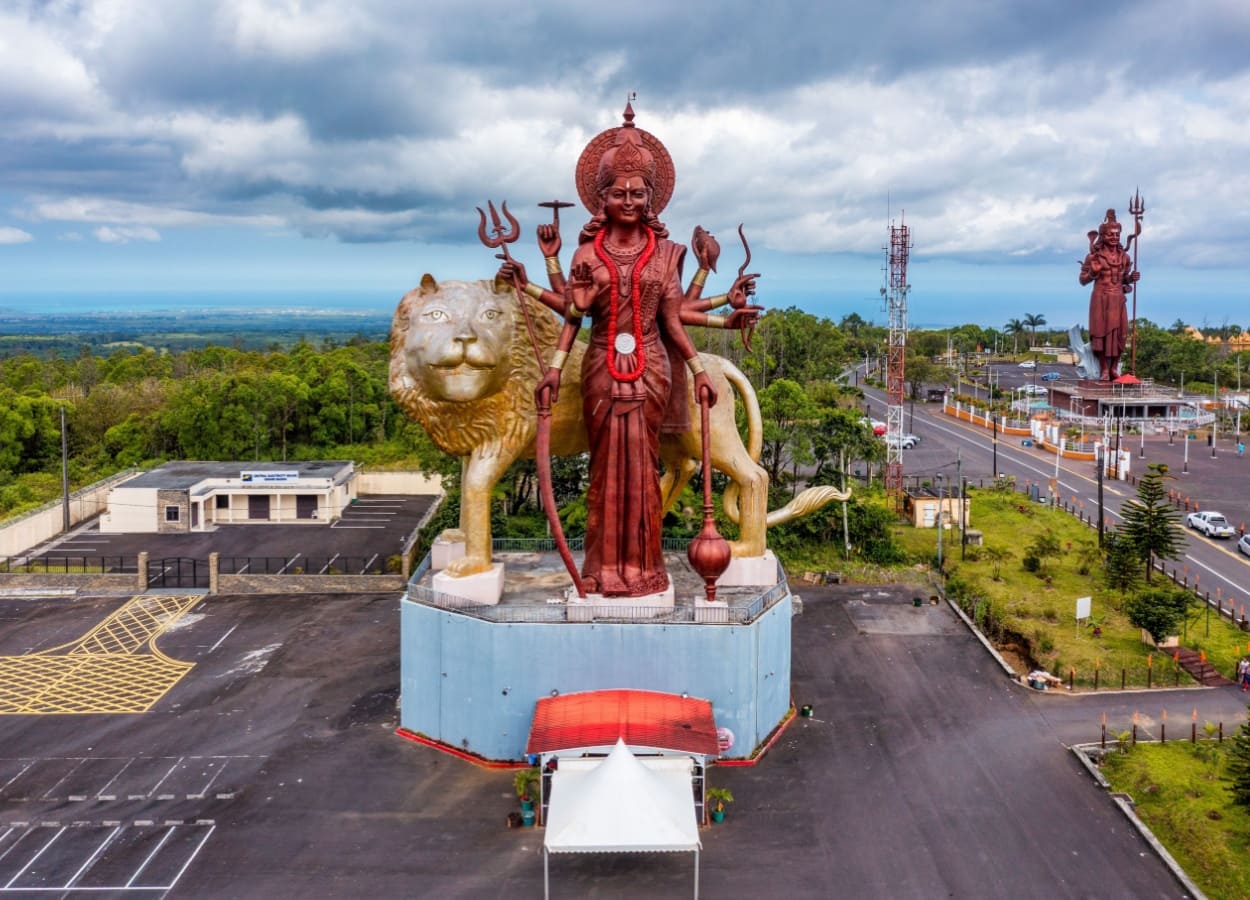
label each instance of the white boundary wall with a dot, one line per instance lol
(40, 524)
(384, 482)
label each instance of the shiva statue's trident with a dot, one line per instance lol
(1137, 207)
(502, 236)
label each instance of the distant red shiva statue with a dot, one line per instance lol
(1114, 275)
(626, 275)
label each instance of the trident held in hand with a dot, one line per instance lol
(1137, 208)
(502, 236)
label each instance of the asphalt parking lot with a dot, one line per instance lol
(373, 525)
(271, 769)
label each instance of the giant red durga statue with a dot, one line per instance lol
(626, 276)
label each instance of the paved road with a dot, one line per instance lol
(272, 770)
(1220, 483)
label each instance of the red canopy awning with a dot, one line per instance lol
(639, 718)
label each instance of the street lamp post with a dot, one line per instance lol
(939, 522)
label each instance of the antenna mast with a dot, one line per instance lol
(896, 300)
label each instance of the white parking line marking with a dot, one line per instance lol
(17, 776)
(194, 854)
(48, 793)
(166, 775)
(329, 563)
(32, 860)
(222, 638)
(289, 563)
(155, 850)
(94, 856)
(100, 794)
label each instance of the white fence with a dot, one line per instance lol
(40, 524)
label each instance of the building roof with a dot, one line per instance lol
(639, 718)
(184, 475)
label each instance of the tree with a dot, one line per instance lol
(1158, 610)
(1043, 547)
(1033, 321)
(997, 556)
(1239, 765)
(1120, 565)
(1015, 328)
(1151, 526)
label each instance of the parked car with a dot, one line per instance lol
(1028, 364)
(907, 442)
(1243, 544)
(1051, 376)
(878, 427)
(1210, 523)
(1034, 390)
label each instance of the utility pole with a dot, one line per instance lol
(64, 472)
(1102, 464)
(959, 480)
(939, 522)
(995, 446)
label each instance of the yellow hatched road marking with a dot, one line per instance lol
(103, 671)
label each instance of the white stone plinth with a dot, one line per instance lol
(747, 571)
(713, 613)
(443, 553)
(482, 589)
(598, 605)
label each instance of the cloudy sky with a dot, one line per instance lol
(279, 147)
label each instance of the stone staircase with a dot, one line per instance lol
(1202, 671)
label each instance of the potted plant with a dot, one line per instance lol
(716, 800)
(526, 784)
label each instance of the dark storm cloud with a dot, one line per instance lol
(1001, 127)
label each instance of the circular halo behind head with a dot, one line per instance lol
(633, 146)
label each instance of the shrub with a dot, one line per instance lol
(1031, 563)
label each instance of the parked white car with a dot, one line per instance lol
(1028, 364)
(1210, 523)
(1034, 390)
(907, 442)
(1243, 544)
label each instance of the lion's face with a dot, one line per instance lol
(459, 341)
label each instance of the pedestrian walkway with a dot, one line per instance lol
(1202, 671)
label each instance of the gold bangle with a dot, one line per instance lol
(695, 365)
(558, 361)
(573, 314)
(715, 322)
(533, 290)
(717, 300)
(700, 277)
(553, 265)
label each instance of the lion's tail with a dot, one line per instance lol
(755, 431)
(808, 501)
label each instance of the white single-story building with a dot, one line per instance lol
(196, 496)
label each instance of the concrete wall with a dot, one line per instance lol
(473, 684)
(44, 582)
(411, 483)
(39, 525)
(131, 511)
(307, 584)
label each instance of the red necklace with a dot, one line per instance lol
(635, 305)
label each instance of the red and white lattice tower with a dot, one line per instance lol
(896, 300)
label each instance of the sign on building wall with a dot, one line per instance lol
(268, 477)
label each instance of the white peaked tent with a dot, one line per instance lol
(620, 804)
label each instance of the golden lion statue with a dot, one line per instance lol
(462, 365)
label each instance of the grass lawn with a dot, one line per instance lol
(1033, 612)
(1181, 792)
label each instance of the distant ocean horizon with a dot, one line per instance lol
(35, 304)
(924, 313)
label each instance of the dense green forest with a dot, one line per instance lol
(137, 405)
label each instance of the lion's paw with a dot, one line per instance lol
(467, 565)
